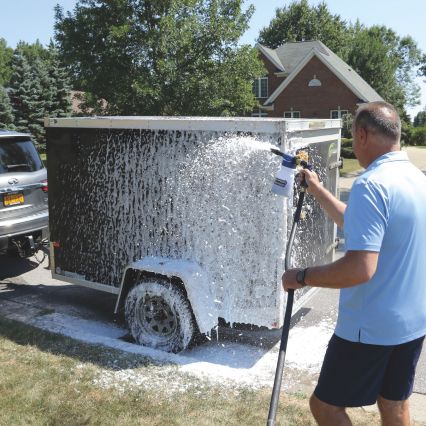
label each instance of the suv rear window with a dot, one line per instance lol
(19, 156)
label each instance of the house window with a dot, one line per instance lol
(259, 113)
(338, 113)
(260, 87)
(292, 114)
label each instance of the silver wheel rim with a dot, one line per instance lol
(157, 317)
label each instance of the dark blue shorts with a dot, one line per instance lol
(355, 374)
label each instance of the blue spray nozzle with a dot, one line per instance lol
(288, 160)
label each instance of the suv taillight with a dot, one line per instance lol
(45, 187)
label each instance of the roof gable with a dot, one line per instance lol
(294, 56)
(271, 55)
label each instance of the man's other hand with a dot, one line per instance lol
(289, 280)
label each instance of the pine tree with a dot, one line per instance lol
(27, 97)
(20, 82)
(6, 111)
(39, 100)
(60, 86)
(39, 88)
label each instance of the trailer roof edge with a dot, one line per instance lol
(234, 124)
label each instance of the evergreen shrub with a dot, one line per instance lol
(346, 150)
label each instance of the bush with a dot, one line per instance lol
(406, 133)
(347, 120)
(346, 150)
(418, 136)
(413, 135)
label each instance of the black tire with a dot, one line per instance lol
(159, 316)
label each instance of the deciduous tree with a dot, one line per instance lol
(164, 57)
(301, 22)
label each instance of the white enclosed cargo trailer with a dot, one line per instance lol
(176, 216)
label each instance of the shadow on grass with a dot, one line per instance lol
(56, 344)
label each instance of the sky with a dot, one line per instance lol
(29, 20)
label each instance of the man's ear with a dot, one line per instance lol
(362, 136)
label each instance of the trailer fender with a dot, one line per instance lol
(194, 278)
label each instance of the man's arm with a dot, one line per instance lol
(354, 268)
(333, 207)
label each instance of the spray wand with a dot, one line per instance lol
(283, 185)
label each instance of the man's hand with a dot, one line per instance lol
(312, 180)
(334, 207)
(289, 280)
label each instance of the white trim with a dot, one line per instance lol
(281, 74)
(279, 65)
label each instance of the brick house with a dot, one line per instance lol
(307, 80)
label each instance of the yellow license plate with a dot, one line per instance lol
(13, 199)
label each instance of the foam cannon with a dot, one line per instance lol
(284, 180)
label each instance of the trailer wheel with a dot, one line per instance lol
(159, 316)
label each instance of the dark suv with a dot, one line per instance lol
(23, 195)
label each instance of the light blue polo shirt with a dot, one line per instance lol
(386, 213)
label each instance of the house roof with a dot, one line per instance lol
(271, 54)
(294, 56)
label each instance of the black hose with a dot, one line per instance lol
(287, 318)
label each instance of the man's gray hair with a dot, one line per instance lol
(381, 118)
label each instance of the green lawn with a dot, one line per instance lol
(48, 379)
(350, 166)
(44, 158)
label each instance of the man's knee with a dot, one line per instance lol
(393, 409)
(320, 409)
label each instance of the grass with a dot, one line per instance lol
(48, 379)
(43, 157)
(350, 166)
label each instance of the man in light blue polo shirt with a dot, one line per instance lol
(382, 311)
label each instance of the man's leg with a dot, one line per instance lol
(398, 384)
(394, 413)
(328, 415)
